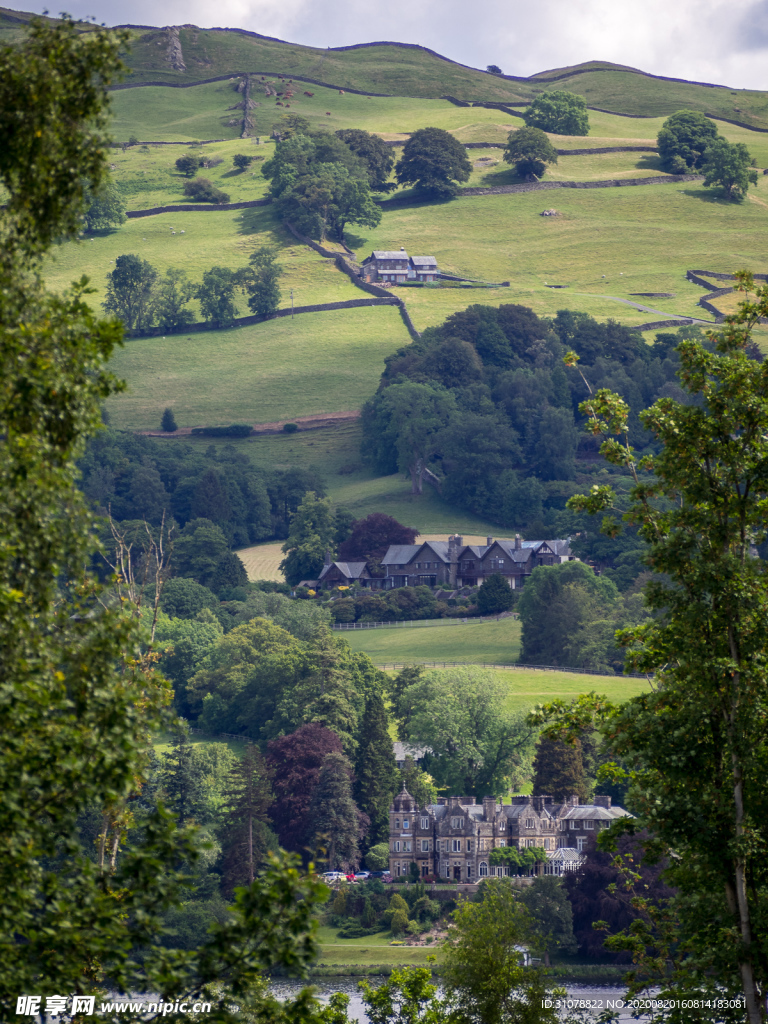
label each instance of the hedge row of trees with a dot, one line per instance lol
(689, 141)
(146, 302)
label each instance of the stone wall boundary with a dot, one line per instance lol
(657, 325)
(236, 74)
(727, 277)
(540, 186)
(197, 208)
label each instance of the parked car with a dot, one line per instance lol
(361, 876)
(377, 874)
(334, 876)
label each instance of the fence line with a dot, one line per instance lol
(510, 665)
(422, 622)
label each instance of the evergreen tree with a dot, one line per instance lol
(181, 778)
(376, 772)
(495, 595)
(246, 836)
(313, 526)
(559, 770)
(168, 423)
(336, 823)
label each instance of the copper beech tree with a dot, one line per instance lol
(696, 741)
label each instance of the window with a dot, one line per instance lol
(501, 825)
(457, 823)
(574, 825)
(425, 846)
(405, 823)
(425, 822)
(397, 823)
(502, 842)
(581, 842)
(469, 846)
(397, 847)
(483, 870)
(529, 823)
(407, 847)
(456, 845)
(469, 869)
(589, 824)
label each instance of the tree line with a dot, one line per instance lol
(147, 303)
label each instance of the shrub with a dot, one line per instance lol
(344, 611)
(399, 922)
(495, 595)
(377, 857)
(188, 165)
(290, 428)
(202, 190)
(241, 161)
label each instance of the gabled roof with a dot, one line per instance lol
(400, 554)
(352, 570)
(390, 254)
(423, 261)
(585, 812)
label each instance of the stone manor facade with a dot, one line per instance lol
(454, 837)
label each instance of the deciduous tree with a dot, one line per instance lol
(530, 150)
(684, 139)
(375, 153)
(560, 112)
(106, 209)
(217, 296)
(260, 281)
(311, 534)
(129, 293)
(171, 297)
(729, 165)
(435, 162)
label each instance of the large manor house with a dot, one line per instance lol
(454, 837)
(451, 562)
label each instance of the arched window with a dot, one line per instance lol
(483, 869)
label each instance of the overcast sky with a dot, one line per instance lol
(719, 41)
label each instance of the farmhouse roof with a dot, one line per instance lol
(423, 261)
(390, 254)
(352, 570)
(399, 554)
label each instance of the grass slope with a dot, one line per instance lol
(319, 362)
(473, 642)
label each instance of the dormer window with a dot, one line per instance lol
(457, 823)
(425, 823)
(529, 823)
(501, 825)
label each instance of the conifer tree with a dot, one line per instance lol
(246, 835)
(376, 770)
(559, 769)
(181, 778)
(336, 823)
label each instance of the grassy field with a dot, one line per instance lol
(319, 362)
(221, 237)
(473, 642)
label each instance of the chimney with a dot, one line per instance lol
(538, 803)
(575, 800)
(602, 801)
(518, 542)
(489, 808)
(327, 557)
(453, 558)
(489, 541)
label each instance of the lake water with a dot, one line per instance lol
(595, 996)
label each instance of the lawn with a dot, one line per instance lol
(319, 362)
(605, 245)
(473, 642)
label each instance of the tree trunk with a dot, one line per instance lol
(417, 474)
(250, 848)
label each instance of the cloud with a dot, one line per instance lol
(720, 41)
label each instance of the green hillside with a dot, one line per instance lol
(394, 69)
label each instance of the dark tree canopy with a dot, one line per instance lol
(559, 112)
(371, 536)
(684, 139)
(336, 824)
(168, 422)
(295, 761)
(559, 770)
(495, 595)
(188, 165)
(434, 161)
(378, 157)
(129, 292)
